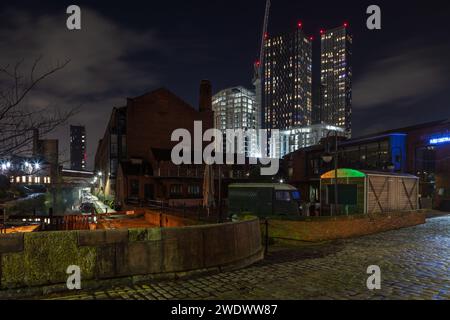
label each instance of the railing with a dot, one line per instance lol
(197, 212)
(55, 223)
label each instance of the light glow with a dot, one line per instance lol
(440, 140)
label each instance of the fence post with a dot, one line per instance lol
(4, 221)
(50, 215)
(266, 244)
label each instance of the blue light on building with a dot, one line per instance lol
(440, 140)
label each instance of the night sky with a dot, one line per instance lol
(401, 73)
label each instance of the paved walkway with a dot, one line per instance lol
(414, 262)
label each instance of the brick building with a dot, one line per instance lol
(146, 122)
(134, 159)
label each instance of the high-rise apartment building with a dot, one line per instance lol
(235, 108)
(287, 86)
(336, 78)
(77, 147)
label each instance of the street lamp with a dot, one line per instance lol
(327, 157)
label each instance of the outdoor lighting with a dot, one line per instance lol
(3, 166)
(327, 157)
(100, 173)
(26, 164)
(37, 166)
(8, 164)
(281, 181)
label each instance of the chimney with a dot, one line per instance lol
(205, 96)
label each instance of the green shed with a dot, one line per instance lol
(368, 192)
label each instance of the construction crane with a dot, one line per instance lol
(259, 68)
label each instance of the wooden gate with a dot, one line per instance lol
(389, 193)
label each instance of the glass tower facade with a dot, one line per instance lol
(287, 87)
(336, 78)
(235, 108)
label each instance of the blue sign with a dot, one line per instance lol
(440, 140)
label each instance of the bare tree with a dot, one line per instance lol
(19, 120)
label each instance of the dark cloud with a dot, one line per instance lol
(100, 74)
(407, 85)
(402, 79)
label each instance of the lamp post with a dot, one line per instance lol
(328, 157)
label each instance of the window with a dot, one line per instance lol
(176, 190)
(347, 194)
(283, 196)
(193, 190)
(134, 188)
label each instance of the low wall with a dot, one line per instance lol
(331, 228)
(166, 220)
(41, 259)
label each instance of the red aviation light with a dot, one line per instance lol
(300, 24)
(345, 24)
(322, 31)
(311, 38)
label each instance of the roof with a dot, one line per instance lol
(136, 169)
(352, 173)
(162, 154)
(276, 186)
(410, 128)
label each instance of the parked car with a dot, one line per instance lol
(264, 199)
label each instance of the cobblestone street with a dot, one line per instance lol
(415, 264)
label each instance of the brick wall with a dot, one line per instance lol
(322, 229)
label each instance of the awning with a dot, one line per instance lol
(343, 173)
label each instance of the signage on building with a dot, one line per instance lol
(440, 140)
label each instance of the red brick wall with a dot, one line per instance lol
(152, 118)
(341, 227)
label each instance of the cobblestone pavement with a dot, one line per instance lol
(414, 262)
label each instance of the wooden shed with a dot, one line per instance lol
(369, 192)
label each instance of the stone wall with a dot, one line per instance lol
(166, 220)
(41, 259)
(330, 228)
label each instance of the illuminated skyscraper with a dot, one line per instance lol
(287, 90)
(234, 108)
(77, 147)
(336, 78)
